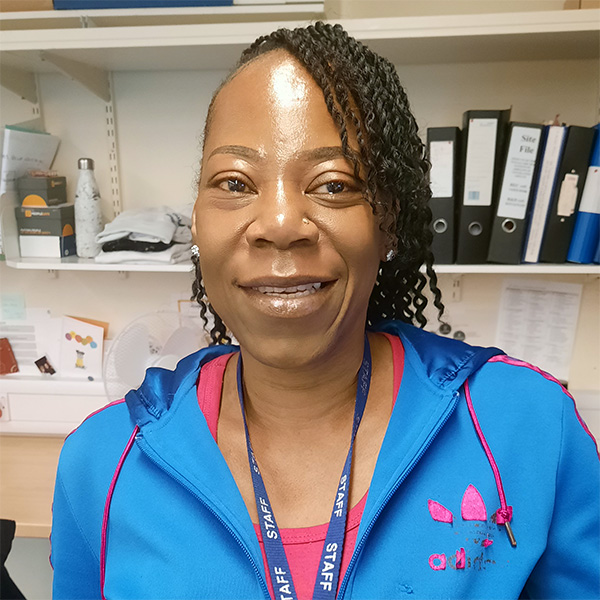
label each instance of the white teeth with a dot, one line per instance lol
(295, 290)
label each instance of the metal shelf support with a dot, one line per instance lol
(94, 79)
(22, 83)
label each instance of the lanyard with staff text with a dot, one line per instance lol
(331, 558)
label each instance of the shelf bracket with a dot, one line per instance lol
(94, 79)
(52, 273)
(22, 83)
(123, 274)
(86, 22)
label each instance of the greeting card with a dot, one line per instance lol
(81, 349)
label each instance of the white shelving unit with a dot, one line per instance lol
(146, 51)
(121, 46)
(85, 264)
(74, 263)
(525, 269)
(47, 406)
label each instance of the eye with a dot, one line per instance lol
(329, 186)
(236, 185)
(335, 187)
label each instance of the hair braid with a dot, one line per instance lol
(218, 333)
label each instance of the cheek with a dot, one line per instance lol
(360, 239)
(359, 242)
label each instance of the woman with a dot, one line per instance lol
(323, 460)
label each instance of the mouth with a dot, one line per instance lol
(289, 296)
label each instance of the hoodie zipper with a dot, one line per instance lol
(153, 456)
(398, 483)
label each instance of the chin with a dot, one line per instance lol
(286, 349)
(298, 344)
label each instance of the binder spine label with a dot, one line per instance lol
(442, 169)
(518, 173)
(567, 197)
(590, 200)
(479, 168)
(551, 157)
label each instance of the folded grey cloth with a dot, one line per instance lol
(156, 224)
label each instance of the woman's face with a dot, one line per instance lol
(289, 249)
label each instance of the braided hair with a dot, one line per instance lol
(362, 92)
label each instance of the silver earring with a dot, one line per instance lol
(195, 251)
(390, 255)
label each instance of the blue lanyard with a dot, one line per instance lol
(331, 558)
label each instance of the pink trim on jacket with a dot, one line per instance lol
(107, 508)
(520, 363)
(504, 513)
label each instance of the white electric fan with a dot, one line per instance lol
(158, 339)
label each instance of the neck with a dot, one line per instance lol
(318, 391)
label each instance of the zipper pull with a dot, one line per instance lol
(511, 536)
(503, 516)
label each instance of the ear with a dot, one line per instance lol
(194, 222)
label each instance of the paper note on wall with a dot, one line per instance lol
(537, 323)
(81, 350)
(23, 151)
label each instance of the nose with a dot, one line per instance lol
(280, 219)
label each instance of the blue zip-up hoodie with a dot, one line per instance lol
(145, 506)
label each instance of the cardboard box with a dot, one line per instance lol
(358, 9)
(46, 231)
(46, 220)
(47, 246)
(19, 5)
(42, 191)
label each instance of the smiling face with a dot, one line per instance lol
(289, 248)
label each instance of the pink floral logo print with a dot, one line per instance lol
(472, 508)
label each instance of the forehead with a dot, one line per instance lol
(272, 102)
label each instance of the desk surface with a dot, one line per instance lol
(27, 472)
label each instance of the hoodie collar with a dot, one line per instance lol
(155, 396)
(444, 362)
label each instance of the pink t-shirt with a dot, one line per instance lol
(303, 545)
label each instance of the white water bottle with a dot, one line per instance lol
(88, 216)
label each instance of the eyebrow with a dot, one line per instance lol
(312, 155)
(242, 151)
(326, 153)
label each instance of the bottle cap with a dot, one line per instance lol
(86, 163)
